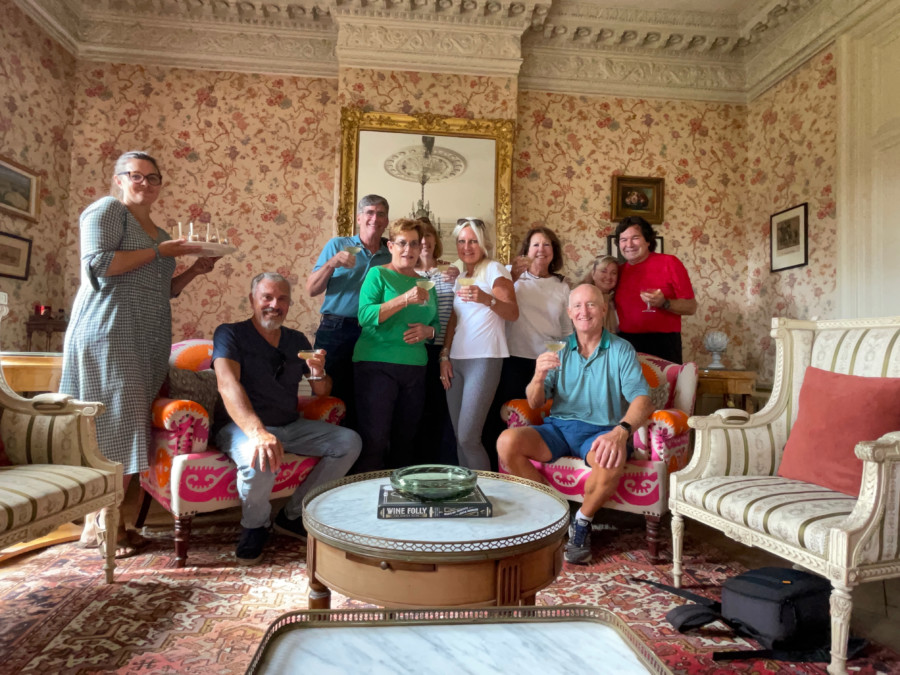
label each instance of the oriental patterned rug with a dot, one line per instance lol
(59, 616)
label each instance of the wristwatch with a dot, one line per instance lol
(667, 304)
(493, 301)
(625, 425)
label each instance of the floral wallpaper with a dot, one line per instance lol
(569, 147)
(258, 157)
(792, 159)
(35, 85)
(252, 155)
(727, 168)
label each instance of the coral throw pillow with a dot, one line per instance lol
(835, 413)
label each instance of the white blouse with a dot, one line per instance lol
(543, 302)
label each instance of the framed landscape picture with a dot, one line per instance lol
(19, 190)
(15, 256)
(638, 196)
(789, 239)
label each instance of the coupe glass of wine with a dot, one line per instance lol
(427, 284)
(649, 306)
(353, 250)
(556, 345)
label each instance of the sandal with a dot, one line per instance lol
(129, 544)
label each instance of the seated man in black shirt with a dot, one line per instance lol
(258, 371)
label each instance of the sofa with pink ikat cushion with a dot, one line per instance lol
(186, 475)
(661, 447)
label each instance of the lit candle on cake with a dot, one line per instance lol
(218, 238)
(207, 232)
(191, 231)
(180, 236)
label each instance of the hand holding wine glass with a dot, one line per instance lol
(468, 291)
(648, 295)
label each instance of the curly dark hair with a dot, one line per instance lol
(557, 262)
(646, 230)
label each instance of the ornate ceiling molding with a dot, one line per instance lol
(570, 46)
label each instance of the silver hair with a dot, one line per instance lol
(372, 200)
(268, 276)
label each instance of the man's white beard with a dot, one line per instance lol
(271, 322)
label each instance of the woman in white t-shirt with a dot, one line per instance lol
(543, 297)
(475, 343)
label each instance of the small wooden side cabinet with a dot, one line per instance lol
(728, 384)
(30, 372)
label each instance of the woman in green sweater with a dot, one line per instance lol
(398, 316)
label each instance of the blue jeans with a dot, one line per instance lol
(338, 448)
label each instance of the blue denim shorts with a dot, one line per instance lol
(571, 437)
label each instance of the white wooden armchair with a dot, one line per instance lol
(52, 471)
(731, 483)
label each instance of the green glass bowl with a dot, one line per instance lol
(434, 482)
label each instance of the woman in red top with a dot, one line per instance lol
(653, 293)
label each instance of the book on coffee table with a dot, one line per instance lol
(392, 504)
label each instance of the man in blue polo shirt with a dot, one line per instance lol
(339, 273)
(258, 369)
(599, 396)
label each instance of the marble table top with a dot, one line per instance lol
(522, 513)
(592, 644)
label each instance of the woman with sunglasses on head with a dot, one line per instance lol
(475, 344)
(398, 316)
(120, 330)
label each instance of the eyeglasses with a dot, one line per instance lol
(402, 243)
(473, 221)
(138, 178)
(279, 371)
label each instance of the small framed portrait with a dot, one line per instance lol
(638, 196)
(613, 247)
(788, 239)
(15, 256)
(19, 190)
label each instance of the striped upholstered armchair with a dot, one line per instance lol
(743, 477)
(186, 475)
(661, 446)
(51, 470)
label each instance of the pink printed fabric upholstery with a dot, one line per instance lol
(185, 475)
(661, 446)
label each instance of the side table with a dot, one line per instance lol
(728, 384)
(46, 325)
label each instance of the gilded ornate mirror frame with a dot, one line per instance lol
(353, 121)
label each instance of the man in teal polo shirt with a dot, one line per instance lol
(599, 396)
(339, 273)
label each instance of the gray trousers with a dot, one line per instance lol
(469, 399)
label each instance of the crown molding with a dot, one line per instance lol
(567, 46)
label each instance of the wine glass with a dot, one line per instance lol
(306, 354)
(649, 306)
(465, 282)
(556, 345)
(427, 284)
(352, 250)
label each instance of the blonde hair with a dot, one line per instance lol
(599, 261)
(477, 227)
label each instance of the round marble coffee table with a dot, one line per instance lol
(433, 562)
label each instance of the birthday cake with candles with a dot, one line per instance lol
(212, 245)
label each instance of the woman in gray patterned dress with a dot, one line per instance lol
(120, 331)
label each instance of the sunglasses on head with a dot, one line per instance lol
(472, 221)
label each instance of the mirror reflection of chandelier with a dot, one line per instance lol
(424, 164)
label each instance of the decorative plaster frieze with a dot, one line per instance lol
(566, 46)
(223, 47)
(599, 74)
(58, 17)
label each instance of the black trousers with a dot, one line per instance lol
(664, 345)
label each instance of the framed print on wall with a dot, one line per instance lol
(638, 196)
(15, 256)
(19, 190)
(788, 239)
(612, 247)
